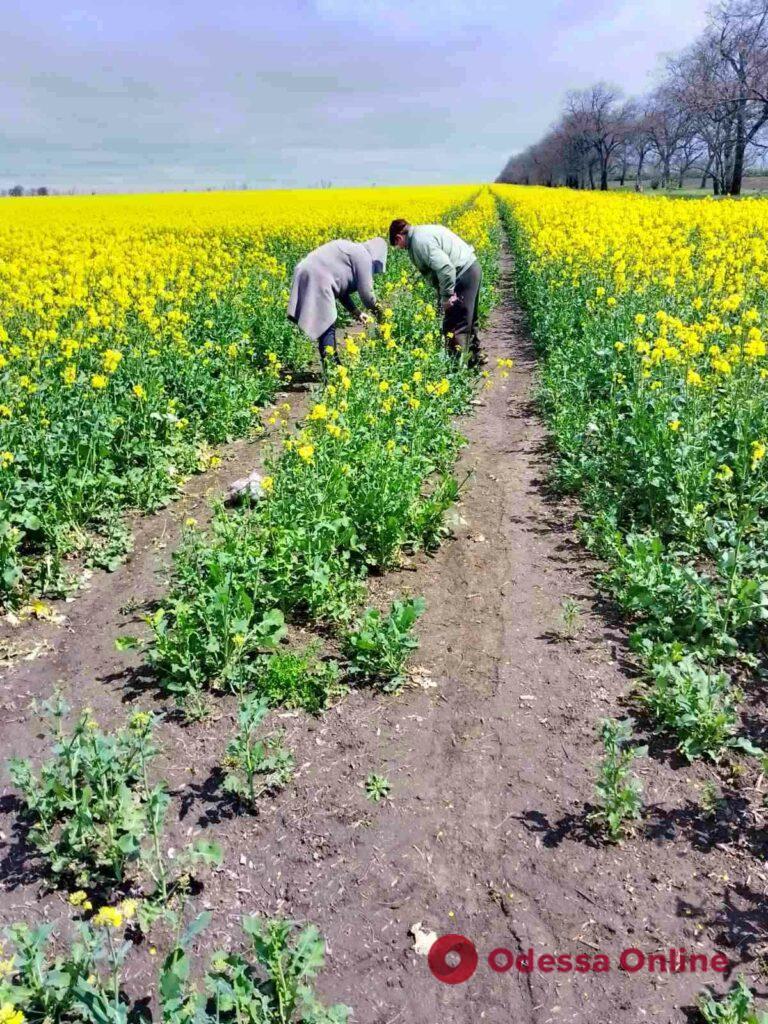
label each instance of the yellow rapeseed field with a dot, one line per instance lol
(652, 320)
(134, 331)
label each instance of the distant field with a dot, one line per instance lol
(691, 187)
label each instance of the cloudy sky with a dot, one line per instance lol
(171, 94)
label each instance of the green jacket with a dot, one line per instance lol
(439, 255)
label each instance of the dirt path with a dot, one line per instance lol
(491, 757)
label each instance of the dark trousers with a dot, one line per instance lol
(460, 322)
(328, 340)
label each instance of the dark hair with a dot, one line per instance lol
(397, 227)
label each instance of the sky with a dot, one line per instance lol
(165, 95)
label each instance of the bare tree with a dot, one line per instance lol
(597, 114)
(741, 30)
(669, 124)
(641, 142)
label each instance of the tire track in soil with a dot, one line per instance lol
(491, 769)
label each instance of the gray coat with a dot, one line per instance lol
(334, 271)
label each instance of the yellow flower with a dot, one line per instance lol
(724, 473)
(9, 1015)
(129, 908)
(384, 386)
(141, 720)
(319, 412)
(442, 387)
(108, 917)
(7, 967)
(267, 483)
(111, 359)
(6, 458)
(69, 373)
(758, 453)
(721, 366)
(693, 379)
(674, 425)
(79, 898)
(306, 451)
(138, 390)
(99, 381)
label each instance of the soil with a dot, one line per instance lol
(491, 752)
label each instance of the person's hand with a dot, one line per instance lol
(450, 301)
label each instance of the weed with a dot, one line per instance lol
(711, 800)
(377, 787)
(570, 613)
(296, 679)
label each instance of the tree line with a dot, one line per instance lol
(18, 190)
(708, 116)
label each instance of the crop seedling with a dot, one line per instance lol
(429, 519)
(88, 807)
(377, 787)
(618, 791)
(738, 1007)
(81, 984)
(84, 983)
(696, 705)
(255, 766)
(272, 985)
(96, 819)
(379, 645)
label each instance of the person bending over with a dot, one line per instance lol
(449, 263)
(335, 271)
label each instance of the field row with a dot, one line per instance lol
(367, 474)
(651, 317)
